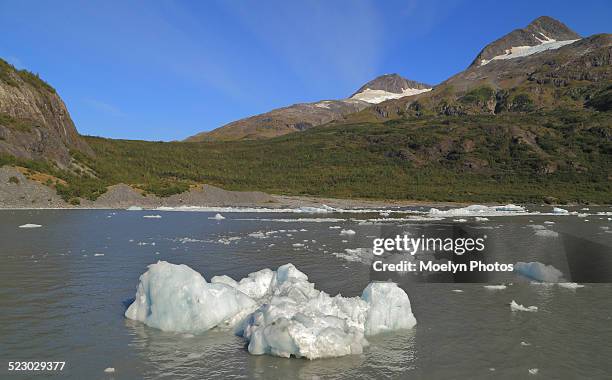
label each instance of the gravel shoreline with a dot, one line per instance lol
(19, 192)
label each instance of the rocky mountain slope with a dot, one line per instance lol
(541, 34)
(574, 75)
(34, 121)
(299, 117)
(281, 121)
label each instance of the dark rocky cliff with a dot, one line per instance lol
(34, 121)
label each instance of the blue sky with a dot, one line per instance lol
(164, 70)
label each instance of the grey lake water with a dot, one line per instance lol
(65, 286)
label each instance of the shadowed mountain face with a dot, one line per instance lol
(34, 121)
(299, 117)
(544, 32)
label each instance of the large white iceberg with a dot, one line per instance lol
(279, 312)
(177, 298)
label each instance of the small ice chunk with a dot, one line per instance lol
(217, 217)
(457, 290)
(30, 225)
(557, 210)
(533, 371)
(538, 271)
(495, 287)
(152, 216)
(525, 344)
(98, 254)
(517, 307)
(460, 220)
(347, 232)
(109, 370)
(546, 233)
(479, 219)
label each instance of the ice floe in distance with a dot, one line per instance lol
(217, 217)
(152, 216)
(347, 232)
(570, 285)
(30, 225)
(479, 210)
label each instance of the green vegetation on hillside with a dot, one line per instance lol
(6, 69)
(560, 156)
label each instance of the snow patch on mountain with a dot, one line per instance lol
(378, 96)
(523, 51)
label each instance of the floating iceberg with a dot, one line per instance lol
(517, 307)
(347, 232)
(279, 312)
(30, 225)
(557, 210)
(538, 271)
(152, 216)
(217, 217)
(389, 308)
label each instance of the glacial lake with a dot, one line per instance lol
(65, 286)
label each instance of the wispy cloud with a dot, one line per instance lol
(104, 107)
(337, 41)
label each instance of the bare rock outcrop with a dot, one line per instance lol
(34, 121)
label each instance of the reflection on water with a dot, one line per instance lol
(63, 287)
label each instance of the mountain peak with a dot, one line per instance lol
(543, 33)
(389, 86)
